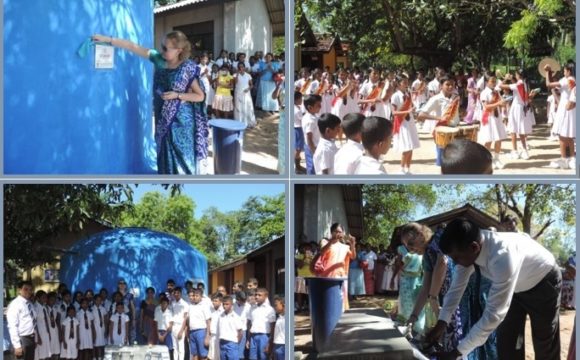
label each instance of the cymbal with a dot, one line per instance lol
(554, 64)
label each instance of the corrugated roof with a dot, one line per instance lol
(244, 259)
(276, 12)
(176, 5)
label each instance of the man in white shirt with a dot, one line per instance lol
(525, 281)
(21, 320)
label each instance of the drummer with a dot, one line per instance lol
(441, 110)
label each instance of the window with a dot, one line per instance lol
(200, 35)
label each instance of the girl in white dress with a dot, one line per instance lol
(86, 331)
(405, 137)
(42, 350)
(54, 321)
(492, 128)
(100, 321)
(371, 92)
(519, 122)
(565, 115)
(70, 331)
(119, 326)
(243, 105)
(328, 92)
(552, 107)
(346, 99)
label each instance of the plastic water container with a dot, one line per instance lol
(325, 296)
(227, 145)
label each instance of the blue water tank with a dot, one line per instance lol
(61, 115)
(140, 256)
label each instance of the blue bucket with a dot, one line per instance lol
(227, 145)
(325, 296)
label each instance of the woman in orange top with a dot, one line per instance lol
(336, 257)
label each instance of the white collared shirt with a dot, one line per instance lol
(261, 317)
(310, 125)
(163, 318)
(514, 262)
(179, 310)
(198, 316)
(215, 314)
(228, 326)
(81, 318)
(323, 157)
(347, 158)
(434, 86)
(279, 332)
(20, 320)
(243, 312)
(298, 114)
(368, 165)
(437, 105)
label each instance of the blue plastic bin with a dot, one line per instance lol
(227, 145)
(325, 296)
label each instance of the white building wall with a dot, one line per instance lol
(253, 30)
(165, 23)
(323, 206)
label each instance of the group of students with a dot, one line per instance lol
(234, 86)
(240, 325)
(379, 111)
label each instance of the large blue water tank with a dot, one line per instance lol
(140, 256)
(61, 115)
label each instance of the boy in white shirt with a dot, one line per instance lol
(215, 310)
(261, 321)
(329, 126)
(230, 327)
(312, 104)
(377, 134)
(180, 308)
(348, 156)
(164, 323)
(279, 337)
(298, 132)
(198, 318)
(242, 308)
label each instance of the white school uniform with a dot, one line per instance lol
(519, 122)
(347, 158)
(99, 315)
(379, 106)
(552, 109)
(204, 79)
(243, 105)
(163, 318)
(279, 331)
(42, 351)
(228, 326)
(119, 320)
(214, 341)
(313, 87)
(71, 351)
(420, 98)
(478, 113)
(198, 316)
(310, 125)
(179, 308)
(86, 335)
(243, 312)
(369, 166)
(323, 157)
(407, 139)
(261, 317)
(494, 130)
(298, 114)
(327, 98)
(346, 105)
(54, 319)
(436, 106)
(433, 87)
(566, 118)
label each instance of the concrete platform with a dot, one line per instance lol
(367, 334)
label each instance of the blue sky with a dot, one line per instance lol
(225, 197)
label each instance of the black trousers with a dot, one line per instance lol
(542, 304)
(28, 344)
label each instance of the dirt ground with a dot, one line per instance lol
(303, 339)
(260, 147)
(542, 151)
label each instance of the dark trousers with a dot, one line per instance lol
(542, 304)
(28, 347)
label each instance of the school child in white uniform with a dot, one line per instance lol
(492, 129)
(214, 341)
(349, 154)
(262, 319)
(405, 136)
(229, 329)
(54, 321)
(279, 339)
(100, 321)
(198, 319)
(86, 330)
(70, 332)
(243, 105)
(42, 350)
(119, 326)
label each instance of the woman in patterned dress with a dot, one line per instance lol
(181, 129)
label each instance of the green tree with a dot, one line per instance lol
(262, 219)
(388, 206)
(36, 214)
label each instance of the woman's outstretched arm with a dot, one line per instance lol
(124, 44)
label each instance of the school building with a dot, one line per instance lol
(212, 25)
(265, 263)
(318, 50)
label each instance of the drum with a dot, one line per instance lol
(444, 135)
(468, 132)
